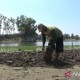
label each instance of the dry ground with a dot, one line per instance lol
(31, 66)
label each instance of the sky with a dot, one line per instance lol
(64, 14)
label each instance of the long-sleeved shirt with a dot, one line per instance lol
(52, 33)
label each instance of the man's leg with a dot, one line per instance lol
(59, 47)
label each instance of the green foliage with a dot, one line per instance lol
(66, 36)
(26, 26)
(77, 37)
(72, 36)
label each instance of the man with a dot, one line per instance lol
(55, 37)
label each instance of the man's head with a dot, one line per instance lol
(42, 28)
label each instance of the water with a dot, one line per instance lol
(37, 43)
(9, 44)
(65, 43)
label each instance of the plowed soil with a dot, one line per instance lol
(35, 59)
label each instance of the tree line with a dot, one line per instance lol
(72, 36)
(26, 29)
(65, 37)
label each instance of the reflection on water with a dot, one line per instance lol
(9, 44)
(70, 43)
(65, 43)
(36, 43)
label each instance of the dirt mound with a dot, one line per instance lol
(31, 59)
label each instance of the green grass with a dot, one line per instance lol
(74, 47)
(29, 48)
(19, 48)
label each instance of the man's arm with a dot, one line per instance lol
(43, 39)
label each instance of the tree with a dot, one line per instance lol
(77, 37)
(66, 36)
(0, 21)
(72, 36)
(26, 27)
(12, 25)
